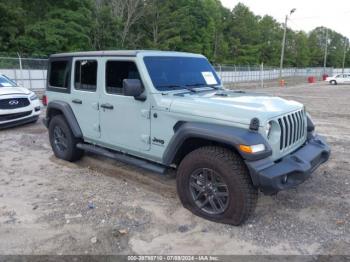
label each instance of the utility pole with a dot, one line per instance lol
(344, 55)
(284, 42)
(20, 67)
(325, 53)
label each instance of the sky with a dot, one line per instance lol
(309, 14)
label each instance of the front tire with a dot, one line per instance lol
(214, 183)
(333, 82)
(62, 140)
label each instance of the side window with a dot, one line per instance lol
(85, 75)
(116, 72)
(59, 74)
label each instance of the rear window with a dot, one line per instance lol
(59, 74)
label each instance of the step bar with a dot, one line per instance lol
(157, 168)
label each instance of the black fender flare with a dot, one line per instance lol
(228, 135)
(67, 112)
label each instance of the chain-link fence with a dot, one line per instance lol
(31, 73)
(265, 76)
(28, 72)
(337, 71)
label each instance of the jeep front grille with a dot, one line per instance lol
(293, 129)
(13, 103)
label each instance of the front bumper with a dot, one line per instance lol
(18, 122)
(23, 115)
(293, 169)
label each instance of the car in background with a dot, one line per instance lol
(339, 79)
(18, 105)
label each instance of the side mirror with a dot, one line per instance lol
(133, 87)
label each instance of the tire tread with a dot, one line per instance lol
(73, 153)
(239, 170)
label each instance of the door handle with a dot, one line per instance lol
(107, 106)
(77, 101)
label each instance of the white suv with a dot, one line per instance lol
(339, 79)
(18, 105)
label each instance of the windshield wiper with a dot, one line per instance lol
(179, 86)
(204, 85)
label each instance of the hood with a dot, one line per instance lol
(14, 90)
(233, 106)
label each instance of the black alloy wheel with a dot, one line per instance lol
(209, 191)
(214, 183)
(63, 141)
(60, 139)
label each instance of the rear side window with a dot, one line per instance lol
(59, 74)
(85, 77)
(116, 72)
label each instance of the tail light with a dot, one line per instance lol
(45, 101)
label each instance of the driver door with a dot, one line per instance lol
(125, 122)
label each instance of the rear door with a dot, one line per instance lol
(84, 95)
(125, 122)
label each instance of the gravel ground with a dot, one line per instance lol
(99, 206)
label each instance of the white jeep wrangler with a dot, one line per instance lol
(169, 110)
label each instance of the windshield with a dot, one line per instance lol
(171, 73)
(5, 82)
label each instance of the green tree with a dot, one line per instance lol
(302, 52)
(243, 36)
(336, 49)
(317, 38)
(184, 25)
(270, 40)
(65, 27)
(11, 26)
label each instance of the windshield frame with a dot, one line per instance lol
(188, 87)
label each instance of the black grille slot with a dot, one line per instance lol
(282, 133)
(14, 116)
(13, 103)
(287, 131)
(292, 129)
(295, 128)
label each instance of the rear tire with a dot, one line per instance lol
(63, 142)
(228, 195)
(333, 82)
